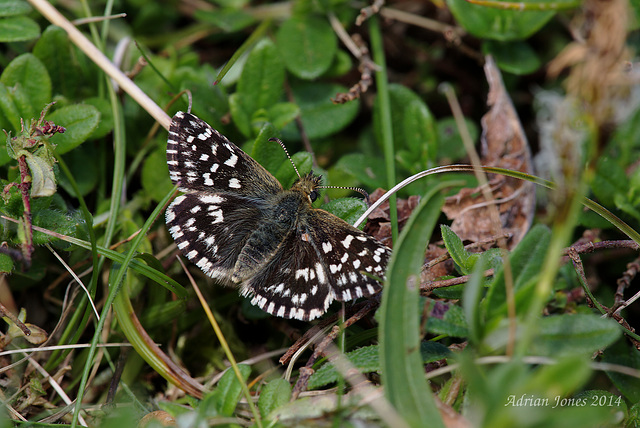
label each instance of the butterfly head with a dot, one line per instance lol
(308, 185)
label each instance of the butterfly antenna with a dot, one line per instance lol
(355, 189)
(286, 152)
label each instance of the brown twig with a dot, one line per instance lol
(307, 371)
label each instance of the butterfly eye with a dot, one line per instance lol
(313, 195)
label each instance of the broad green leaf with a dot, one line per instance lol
(275, 394)
(574, 334)
(287, 175)
(527, 261)
(6, 264)
(320, 117)
(229, 20)
(627, 356)
(229, 389)
(240, 116)
(9, 108)
(43, 180)
(105, 125)
(14, 7)
(262, 78)
(18, 29)
(308, 45)
(461, 257)
(368, 170)
(79, 120)
(472, 294)
(414, 126)
(420, 132)
(610, 180)
(450, 147)
(497, 24)
(155, 175)
(281, 114)
(267, 153)
(31, 75)
(513, 57)
(63, 223)
(348, 209)
(452, 323)
(560, 379)
(54, 50)
(399, 313)
(366, 360)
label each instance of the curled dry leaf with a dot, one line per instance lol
(379, 223)
(504, 145)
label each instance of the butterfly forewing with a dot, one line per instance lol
(211, 229)
(202, 159)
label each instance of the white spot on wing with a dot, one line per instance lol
(234, 183)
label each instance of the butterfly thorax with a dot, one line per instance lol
(282, 214)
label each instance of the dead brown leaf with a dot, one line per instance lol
(504, 145)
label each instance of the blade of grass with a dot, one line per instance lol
(401, 365)
(384, 107)
(248, 44)
(114, 288)
(225, 347)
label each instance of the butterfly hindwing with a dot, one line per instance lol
(322, 260)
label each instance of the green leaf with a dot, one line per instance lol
(63, 223)
(461, 257)
(268, 153)
(105, 125)
(348, 209)
(420, 132)
(472, 294)
(14, 7)
(6, 263)
(527, 261)
(368, 170)
(9, 108)
(287, 175)
(366, 360)
(513, 57)
(307, 45)
(275, 394)
(414, 126)
(27, 80)
(262, 78)
(281, 114)
(497, 24)
(229, 20)
(79, 120)
(574, 334)
(155, 175)
(18, 29)
(29, 73)
(54, 50)
(43, 180)
(626, 356)
(452, 323)
(610, 180)
(450, 145)
(320, 117)
(230, 389)
(402, 370)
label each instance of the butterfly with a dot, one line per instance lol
(235, 221)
